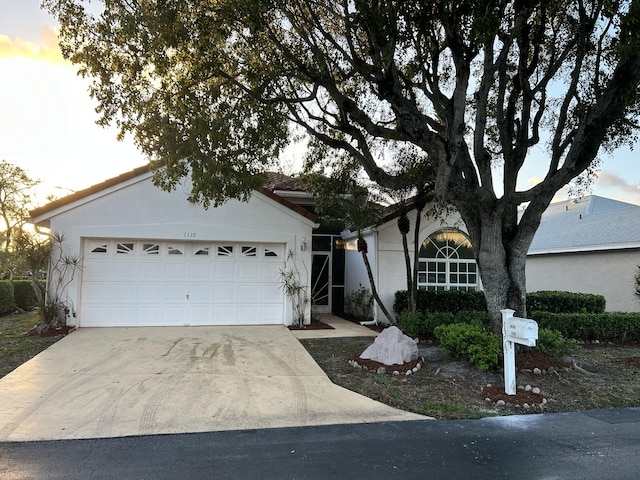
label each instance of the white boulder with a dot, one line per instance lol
(391, 347)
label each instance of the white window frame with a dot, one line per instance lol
(438, 273)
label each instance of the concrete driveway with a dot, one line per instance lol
(110, 382)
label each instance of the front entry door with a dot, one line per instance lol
(320, 282)
(327, 273)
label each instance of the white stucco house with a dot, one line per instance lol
(586, 245)
(153, 258)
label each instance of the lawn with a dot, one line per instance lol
(604, 375)
(16, 347)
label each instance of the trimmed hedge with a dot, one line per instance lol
(565, 302)
(6, 297)
(453, 301)
(23, 295)
(592, 326)
(423, 325)
(458, 301)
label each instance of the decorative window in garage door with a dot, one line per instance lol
(200, 251)
(174, 250)
(124, 248)
(151, 248)
(272, 252)
(101, 248)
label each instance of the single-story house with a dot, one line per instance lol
(151, 257)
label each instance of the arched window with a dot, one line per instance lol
(447, 262)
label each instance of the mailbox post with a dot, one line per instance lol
(515, 330)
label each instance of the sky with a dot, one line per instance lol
(47, 119)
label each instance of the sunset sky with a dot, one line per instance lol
(47, 120)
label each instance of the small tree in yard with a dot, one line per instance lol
(637, 282)
(41, 253)
(15, 201)
(295, 288)
(472, 88)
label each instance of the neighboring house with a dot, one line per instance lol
(588, 245)
(152, 257)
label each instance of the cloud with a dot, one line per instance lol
(46, 50)
(533, 181)
(623, 189)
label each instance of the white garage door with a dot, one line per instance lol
(142, 282)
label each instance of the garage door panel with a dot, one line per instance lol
(270, 294)
(249, 272)
(248, 293)
(167, 283)
(270, 273)
(176, 271)
(150, 271)
(150, 293)
(121, 270)
(201, 272)
(224, 293)
(225, 272)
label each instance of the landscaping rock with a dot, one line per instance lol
(391, 347)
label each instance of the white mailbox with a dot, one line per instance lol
(521, 330)
(515, 330)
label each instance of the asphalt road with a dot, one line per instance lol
(598, 444)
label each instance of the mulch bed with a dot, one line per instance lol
(631, 361)
(527, 360)
(314, 325)
(50, 332)
(373, 366)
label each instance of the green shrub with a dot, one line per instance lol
(441, 301)
(360, 303)
(591, 326)
(6, 297)
(413, 324)
(565, 302)
(422, 325)
(553, 343)
(23, 295)
(482, 349)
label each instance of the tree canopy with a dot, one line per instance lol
(16, 191)
(449, 97)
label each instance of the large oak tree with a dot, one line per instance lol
(469, 88)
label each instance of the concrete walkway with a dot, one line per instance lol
(111, 382)
(341, 328)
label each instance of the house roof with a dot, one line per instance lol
(144, 170)
(589, 223)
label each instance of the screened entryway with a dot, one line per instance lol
(327, 273)
(446, 262)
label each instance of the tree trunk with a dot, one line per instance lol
(362, 248)
(407, 263)
(501, 260)
(416, 253)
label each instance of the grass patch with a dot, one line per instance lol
(607, 376)
(16, 347)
